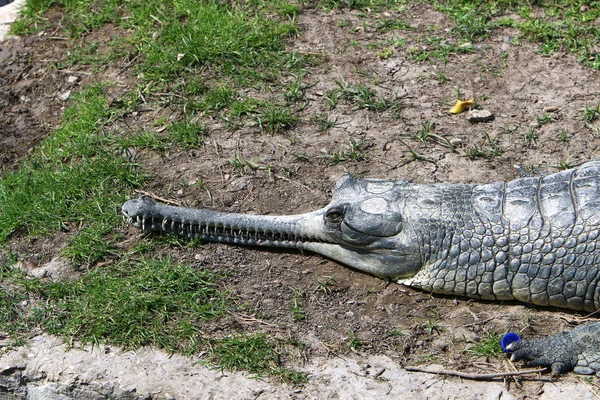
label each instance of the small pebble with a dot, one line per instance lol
(64, 95)
(456, 142)
(475, 116)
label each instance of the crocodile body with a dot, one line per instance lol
(534, 240)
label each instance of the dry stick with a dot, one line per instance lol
(481, 377)
(596, 394)
(156, 197)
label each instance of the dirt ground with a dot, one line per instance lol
(396, 326)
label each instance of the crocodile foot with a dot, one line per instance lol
(576, 350)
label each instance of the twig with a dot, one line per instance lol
(249, 319)
(481, 377)
(294, 182)
(596, 395)
(156, 197)
(134, 59)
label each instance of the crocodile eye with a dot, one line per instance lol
(335, 215)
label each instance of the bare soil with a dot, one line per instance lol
(406, 326)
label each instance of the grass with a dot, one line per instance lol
(591, 114)
(297, 306)
(353, 342)
(275, 119)
(324, 122)
(190, 56)
(353, 153)
(187, 134)
(488, 347)
(252, 353)
(362, 96)
(135, 302)
(65, 184)
(566, 25)
(531, 137)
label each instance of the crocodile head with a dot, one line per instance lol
(362, 227)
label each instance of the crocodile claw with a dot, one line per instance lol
(577, 350)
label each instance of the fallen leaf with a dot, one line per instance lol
(461, 106)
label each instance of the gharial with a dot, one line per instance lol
(534, 239)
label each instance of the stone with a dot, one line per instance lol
(58, 269)
(456, 142)
(476, 116)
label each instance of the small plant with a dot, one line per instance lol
(188, 134)
(385, 53)
(288, 10)
(431, 326)
(324, 286)
(353, 154)
(362, 96)
(395, 333)
(325, 122)
(531, 137)
(488, 347)
(440, 77)
(217, 99)
(239, 162)
(562, 136)
(332, 98)
(564, 164)
(275, 119)
(492, 149)
(297, 307)
(591, 114)
(544, 119)
(301, 157)
(427, 358)
(343, 23)
(388, 25)
(147, 139)
(295, 91)
(424, 134)
(459, 94)
(353, 342)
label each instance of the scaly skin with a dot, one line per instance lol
(533, 240)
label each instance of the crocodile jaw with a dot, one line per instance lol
(302, 231)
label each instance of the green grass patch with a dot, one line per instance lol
(232, 42)
(362, 96)
(131, 303)
(145, 138)
(275, 119)
(254, 353)
(566, 25)
(174, 38)
(75, 180)
(15, 293)
(362, 5)
(488, 347)
(187, 134)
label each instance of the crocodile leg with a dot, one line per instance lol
(577, 350)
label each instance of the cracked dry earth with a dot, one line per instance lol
(515, 82)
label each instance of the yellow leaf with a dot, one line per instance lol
(461, 106)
